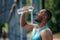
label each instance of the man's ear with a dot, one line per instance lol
(44, 17)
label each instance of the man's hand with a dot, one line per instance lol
(25, 9)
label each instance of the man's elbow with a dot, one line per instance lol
(23, 24)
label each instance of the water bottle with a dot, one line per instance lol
(20, 11)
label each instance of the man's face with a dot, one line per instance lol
(40, 16)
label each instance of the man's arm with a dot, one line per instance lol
(47, 35)
(23, 22)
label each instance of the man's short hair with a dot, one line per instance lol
(49, 15)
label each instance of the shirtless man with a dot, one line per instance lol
(40, 31)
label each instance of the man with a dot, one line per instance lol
(40, 31)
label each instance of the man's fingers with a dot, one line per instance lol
(26, 7)
(26, 10)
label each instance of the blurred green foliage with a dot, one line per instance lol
(5, 27)
(54, 7)
(28, 17)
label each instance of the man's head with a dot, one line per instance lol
(43, 15)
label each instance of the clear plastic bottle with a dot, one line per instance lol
(20, 11)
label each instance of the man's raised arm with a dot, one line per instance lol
(23, 22)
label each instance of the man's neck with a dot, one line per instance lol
(42, 24)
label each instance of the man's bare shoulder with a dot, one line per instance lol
(47, 31)
(47, 34)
